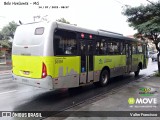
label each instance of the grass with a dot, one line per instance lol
(157, 74)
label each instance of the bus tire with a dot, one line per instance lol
(104, 78)
(137, 72)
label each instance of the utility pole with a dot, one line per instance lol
(150, 2)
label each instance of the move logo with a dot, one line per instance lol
(131, 101)
(140, 101)
(100, 61)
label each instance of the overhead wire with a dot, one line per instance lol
(123, 5)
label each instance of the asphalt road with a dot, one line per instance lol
(19, 97)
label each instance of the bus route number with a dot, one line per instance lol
(58, 61)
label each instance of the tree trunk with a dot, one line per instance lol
(158, 60)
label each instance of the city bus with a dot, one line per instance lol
(55, 55)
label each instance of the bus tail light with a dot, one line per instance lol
(44, 70)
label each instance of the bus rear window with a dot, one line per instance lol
(39, 31)
(28, 35)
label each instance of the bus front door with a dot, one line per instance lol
(128, 58)
(86, 52)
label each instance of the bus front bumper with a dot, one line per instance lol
(46, 83)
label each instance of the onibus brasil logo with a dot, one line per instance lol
(147, 92)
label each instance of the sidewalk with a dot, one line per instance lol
(118, 101)
(4, 67)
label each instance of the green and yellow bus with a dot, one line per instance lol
(56, 55)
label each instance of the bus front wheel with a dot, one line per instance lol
(137, 72)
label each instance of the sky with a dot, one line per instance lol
(91, 14)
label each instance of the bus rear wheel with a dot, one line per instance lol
(104, 78)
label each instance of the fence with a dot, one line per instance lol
(2, 59)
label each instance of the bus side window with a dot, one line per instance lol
(139, 48)
(66, 44)
(122, 48)
(134, 49)
(116, 48)
(103, 47)
(113, 48)
(90, 47)
(83, 47)
(97, 47)
(57, 47)
(110, 48)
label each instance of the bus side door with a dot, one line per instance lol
(86, 53)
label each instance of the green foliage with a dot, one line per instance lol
(5, 43)
(157, 74)
(8, 31)
(1, 53)
(146, 20)
(63, 20)
(1, 36)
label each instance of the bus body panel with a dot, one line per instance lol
(111, 61)
(56, 66)
(116, 64)
(31, 66)
(63, 71)
(65, 66)
(46, 83)
(136, 59)
(66, 71)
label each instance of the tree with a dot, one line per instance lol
(1, 36)
(6, 44)
(6, 34)
(8, 31)
(63, 20)
(146, 20)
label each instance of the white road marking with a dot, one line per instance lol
(8, 92)
(6, 73)
(7, 79)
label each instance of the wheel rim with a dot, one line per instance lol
(104, 79)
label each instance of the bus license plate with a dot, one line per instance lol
(26, 72)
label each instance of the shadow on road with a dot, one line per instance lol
(61, 99)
